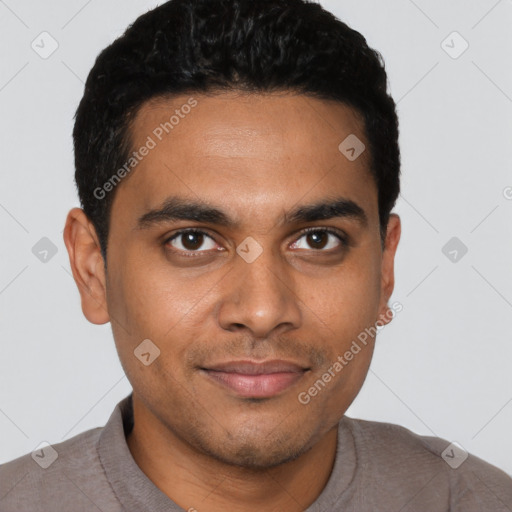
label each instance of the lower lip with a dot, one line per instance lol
(255, 386)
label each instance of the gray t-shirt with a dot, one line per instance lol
(378, 467)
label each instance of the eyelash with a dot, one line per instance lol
(342, 237)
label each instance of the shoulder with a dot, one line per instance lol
(405, 462)
(68, 474)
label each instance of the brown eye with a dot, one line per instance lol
(191, 241)
(317, 239)
(320, 240)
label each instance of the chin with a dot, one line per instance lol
(259, 453)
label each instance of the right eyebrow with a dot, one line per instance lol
(176, 208)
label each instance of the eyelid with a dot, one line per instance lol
(339, 234)
(184, 231)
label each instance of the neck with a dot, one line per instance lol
(195, 481)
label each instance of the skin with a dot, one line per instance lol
(304, 300)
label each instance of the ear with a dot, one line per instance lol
(393, 232)
(87, 265)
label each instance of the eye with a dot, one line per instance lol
(194, 241)
(321, 239)
(191, 240)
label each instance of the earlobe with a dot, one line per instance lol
(393, 233)
(87, 265)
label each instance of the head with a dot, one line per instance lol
(231, 119)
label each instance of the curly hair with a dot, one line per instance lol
(207, 46)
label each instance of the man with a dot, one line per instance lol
(237, 163)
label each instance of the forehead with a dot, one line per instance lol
(265, 151)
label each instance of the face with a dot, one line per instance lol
(246, 247)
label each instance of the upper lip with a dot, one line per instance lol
(248, 367)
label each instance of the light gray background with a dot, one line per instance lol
(441, 368)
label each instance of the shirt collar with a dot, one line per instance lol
(136, 491)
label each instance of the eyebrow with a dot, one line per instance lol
(175, 208)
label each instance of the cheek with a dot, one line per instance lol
(166, 308)
(150, 298)
(348, 301)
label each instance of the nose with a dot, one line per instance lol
(259, 296)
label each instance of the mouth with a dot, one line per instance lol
(250, 379)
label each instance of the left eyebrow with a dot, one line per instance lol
(325, 210)
(176, 208)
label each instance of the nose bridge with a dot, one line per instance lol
(260, 295)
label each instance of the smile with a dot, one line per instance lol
(255, 380)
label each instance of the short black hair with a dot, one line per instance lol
(207, 46)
